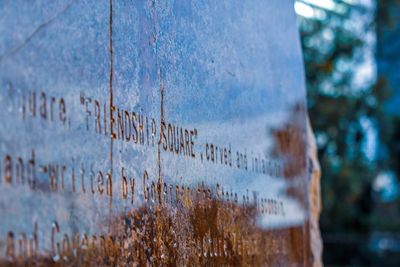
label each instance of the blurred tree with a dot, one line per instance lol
(388, 59)
(350, 122)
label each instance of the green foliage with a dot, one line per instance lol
(332, 49)
(335, 109)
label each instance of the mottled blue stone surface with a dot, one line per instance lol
(98, 95)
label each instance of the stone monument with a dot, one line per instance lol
(152, 133)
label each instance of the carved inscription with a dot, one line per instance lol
(136, 128)
(37, 104)
(151, 134)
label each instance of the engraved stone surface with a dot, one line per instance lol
(152, 133)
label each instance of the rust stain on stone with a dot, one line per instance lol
(111, 85)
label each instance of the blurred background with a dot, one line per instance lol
(352, 61)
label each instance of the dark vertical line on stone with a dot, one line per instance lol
(111, 85)
(159, 229)
(111, 107)
(159, 180)
(159, 184)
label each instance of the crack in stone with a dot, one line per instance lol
(35, 32)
